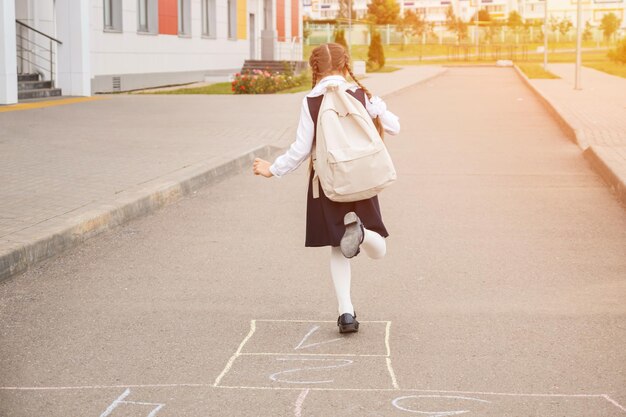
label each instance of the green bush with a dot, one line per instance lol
(376, 54)
(619, 53)
(264, 82)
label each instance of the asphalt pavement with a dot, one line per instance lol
(502, 293)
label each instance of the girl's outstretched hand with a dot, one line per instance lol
(261, 167)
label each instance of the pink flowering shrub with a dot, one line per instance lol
(264, 82)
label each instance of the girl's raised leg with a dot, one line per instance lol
(374, 244)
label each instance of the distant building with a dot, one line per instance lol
(89, 46)
(435, 10)
(329, 9)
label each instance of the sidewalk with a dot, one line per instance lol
(72, 171)
(595, 117)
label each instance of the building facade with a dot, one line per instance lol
(90, 46)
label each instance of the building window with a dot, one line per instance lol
(147, 16)
(113, 15)
(184, 17)
(208, 18)
(232, 19)
(142, 15)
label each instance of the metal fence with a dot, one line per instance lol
(439, 34)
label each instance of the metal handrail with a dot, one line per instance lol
(30, 53)
(41, 33)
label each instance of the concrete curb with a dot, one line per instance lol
(600, 160)
(74, 228)
(572, 133)
(604, 162)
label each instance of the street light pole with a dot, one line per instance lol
(579, 36)
(477, 30)
(545, 35)
(349, 26)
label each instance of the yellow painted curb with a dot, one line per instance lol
(48, 103)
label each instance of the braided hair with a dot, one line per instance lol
(332, 57)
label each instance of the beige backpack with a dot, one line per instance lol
(351, 161)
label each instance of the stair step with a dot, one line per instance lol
(33, 85)
(39, 93)
(27, 77)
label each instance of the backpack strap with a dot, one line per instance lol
(314, 104)
(315, 181)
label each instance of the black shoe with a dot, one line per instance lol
(353, 236)
(347, 323)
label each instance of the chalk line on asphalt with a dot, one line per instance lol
(310, 345)
(317, 321)
(120, 400)
(615, 403)
(392, 374)
(387, 331)
(310, 354)
(396, 403)
(298, 408)
(322, 389)
(230, 362)
(115, 403)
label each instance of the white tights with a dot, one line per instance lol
(374, 246)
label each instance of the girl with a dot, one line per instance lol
(346, 227)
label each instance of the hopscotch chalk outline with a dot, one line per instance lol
(239, 352)
(306, 391)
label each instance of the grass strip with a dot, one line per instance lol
(533, 70)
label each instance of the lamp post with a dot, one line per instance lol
(579, 37)
(477, 30)
(349, 26)
(545, 35)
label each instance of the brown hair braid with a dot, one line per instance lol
(333, 57)
(377, 122)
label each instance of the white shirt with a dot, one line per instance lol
(300, 150)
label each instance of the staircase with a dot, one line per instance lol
(274, 66)
(36, 57)
(30, 86)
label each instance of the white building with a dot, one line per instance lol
(89, 46)
(592, 10)
(329, 9)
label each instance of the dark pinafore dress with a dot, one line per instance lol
(324, 217)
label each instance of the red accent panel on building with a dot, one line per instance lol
(168, 17)
(295, 27)
(280, 19)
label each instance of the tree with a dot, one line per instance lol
(383, 12)
(483, 16)
(609, 25)
(456, 24)
(375, 54)
(554, 24)
(564, 26)
(411, 24)
(493, 30)
(515, 21)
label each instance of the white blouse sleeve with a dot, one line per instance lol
(300, 149)
(376, 107)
